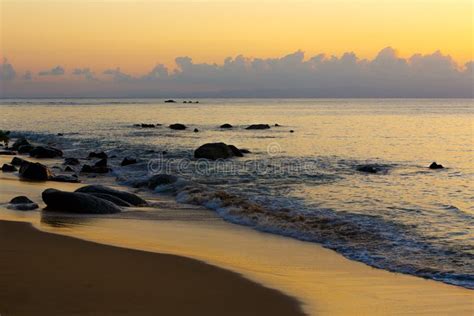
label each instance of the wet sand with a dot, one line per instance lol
(47, 274)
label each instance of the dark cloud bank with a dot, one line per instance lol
(387, 75)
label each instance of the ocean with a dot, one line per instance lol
(303, 184)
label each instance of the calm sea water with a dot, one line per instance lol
(305, 185)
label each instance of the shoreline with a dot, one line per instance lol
(323, 280)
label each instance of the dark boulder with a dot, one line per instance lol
(126, 196)
(178, 126)
(76, 202)
(99, 155)
(22, 203)
(258, 126)
(277, 125)
(170, 101)
(8, 168)
(20, 142)
(292, 131)
(7, 153)
(45, 152)
(144, 125)
(161, 179)
(65, 178)
(368, 169)
(237, 152)
(71, 161)
(226, 125)
(434, 165)
(111, 198)
(34, 171)
(17, 161)
(215, 151)
(101, 163)
(25, 149)
(94, 169)
(128, 161)
(196, 130)
(68, 169)
(60, 134)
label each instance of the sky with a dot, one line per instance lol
(60, 47)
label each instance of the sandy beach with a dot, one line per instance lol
(44, 269)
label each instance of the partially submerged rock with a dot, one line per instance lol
(34, 171)
(126, 196)
(94, 169)
(128, 161)
(434, 165)
(144, 125)
(71, 161)
(170, 101)
(16, 161)
(226, 125)
(77, 202)
(101, 163)
(45, 152)
(178, 126)
(22, 203)
(20, 142)
(7, 152)
(368, 169)
(215, 151)
(258, 126)
(111, 198)
(161, 179)
(25, 149)
(8, 168)
(99, 155)
(65, 178)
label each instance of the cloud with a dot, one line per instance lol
(293, 75)
(56, 71)
(7, 71)
(86, 72)
(27, 75)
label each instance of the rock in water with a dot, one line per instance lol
(45, 152)
(101, 163)
(25, 149)
(99, 155)
(123, 195)
(215, 151)
(178, 126)
(65, 178)
(117, 201)
(17, 161)
(170, 101)
(258, 126)
(226, 125)
(20, 142)
(76, 202)
(7, 153)
(8, 168)
(22, 203)
(71, 161)
(368, 169)
(94, 169)
(128, 161)
(196, 130)
(34, 171)
(434, 165)
(161, 179)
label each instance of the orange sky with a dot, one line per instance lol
(40, 34)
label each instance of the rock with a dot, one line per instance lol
(434, 165)
(368, 169)
(94, 169)
(215, 151)
(34, 171)
(196, 130)
(126, 196)
(20, 200)
(17, 161)
(128, 161)
(99, 155)
(245, 151)
(60, 134)
(68, 169)
(7, 153)
(226, 125)
(22, 203)
(71, 161)
(148, 125)
(178, 126)
(161, 179)
(258, 126)
(196, 102)
(20, 142)
(8, 168)
(25, 149)
(76, 202)
(170, 101)
(101, 163)
(45, 152)
(236, 151)
(65, 178)
(117, 201)
(292, 131)
(277, 125)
